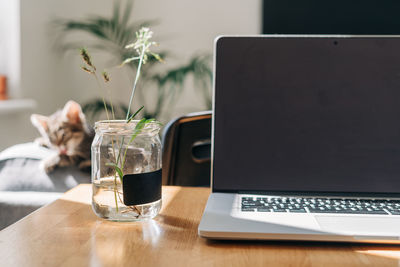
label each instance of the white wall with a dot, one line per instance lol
(10, 45)
(184, 27)
(13, 127)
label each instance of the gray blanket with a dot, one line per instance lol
(24, 186)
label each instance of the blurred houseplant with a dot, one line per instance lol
(112, 34)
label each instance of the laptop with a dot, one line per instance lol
(305, 139)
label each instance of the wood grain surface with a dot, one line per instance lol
(68, 233)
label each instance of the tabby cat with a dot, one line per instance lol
(66, 132)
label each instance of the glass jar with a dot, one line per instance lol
(126, 170)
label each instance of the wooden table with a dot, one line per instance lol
(67, 233)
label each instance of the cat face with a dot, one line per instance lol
(64, 130)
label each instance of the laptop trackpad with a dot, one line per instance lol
(358, 225)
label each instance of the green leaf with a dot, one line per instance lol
(138, 128)
(117, 169)
(134, 115)
(157, 57)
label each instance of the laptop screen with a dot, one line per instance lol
(311, 114)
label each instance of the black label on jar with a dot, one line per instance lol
(141, 188)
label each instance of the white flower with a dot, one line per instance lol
(142, 46)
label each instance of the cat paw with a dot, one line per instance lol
(42, 142)
(46, 167)
(49, 164)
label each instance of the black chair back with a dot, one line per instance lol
(187, 150)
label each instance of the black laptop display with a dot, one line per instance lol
(326, 119)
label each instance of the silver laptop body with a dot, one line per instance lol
(306, 139)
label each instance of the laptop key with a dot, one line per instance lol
(298, 210)
(279, 210)
(263, 210)
(349, 211)
(248, 209)
(322, 211)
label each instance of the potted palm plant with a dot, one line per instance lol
(112, 34)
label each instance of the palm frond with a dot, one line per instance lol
(111, 35)
(171, 84)
(116, 30)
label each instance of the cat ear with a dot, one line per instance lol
(40, 122)
(72, 112)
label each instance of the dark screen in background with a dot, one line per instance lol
(307, 114)
(331, 17)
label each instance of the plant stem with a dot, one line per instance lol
(106, 109)
(112, 106)
(115, 192)
(112, 138)
(102, 96)
(126, 149)
(130, 104)
(136, 80)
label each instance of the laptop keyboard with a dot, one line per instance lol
(320, 205)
